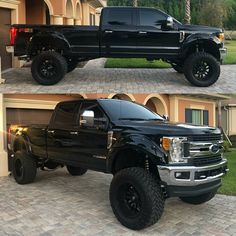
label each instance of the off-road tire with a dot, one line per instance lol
(24, 168)
(178, 68)
(192, 63)
(76, 171)
(48, 68)
(148, 191)
(197, 200)
(71, 65)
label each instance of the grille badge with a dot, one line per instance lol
(214, 148)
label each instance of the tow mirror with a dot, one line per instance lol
(87, 119)
(169, 23)
(166, 117)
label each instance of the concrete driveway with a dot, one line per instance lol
(59, 204)
(100, 80)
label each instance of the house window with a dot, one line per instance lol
(197, 117)
(92, 19)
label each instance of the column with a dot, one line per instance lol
(2, 81)
(70, 21)
(57, 20)
(78, 22)
(3, 153)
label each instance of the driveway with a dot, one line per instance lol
(100, 80)
(59, 204)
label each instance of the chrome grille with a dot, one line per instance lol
(207, 160)
(205, 138)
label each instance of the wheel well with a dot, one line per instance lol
(204, 46)
(19, 145)
(56, 45)
(133, 158)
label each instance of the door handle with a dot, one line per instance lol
(108, 31)
(51, 131)
(74, 133)
(142, 32)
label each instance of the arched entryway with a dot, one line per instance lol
(78, 13)
(69, 20)
(126, 97)
(156, 104)
(39, 12)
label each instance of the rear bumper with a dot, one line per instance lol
(191, 180)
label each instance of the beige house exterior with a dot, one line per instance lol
(58, 12)
(27, 109)
(228, 110)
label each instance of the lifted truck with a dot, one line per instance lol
(124, 32)
(150, 158)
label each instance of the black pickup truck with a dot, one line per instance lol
(124, 32)
(150, 158)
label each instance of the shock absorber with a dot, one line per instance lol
(147, 163)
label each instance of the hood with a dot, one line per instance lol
(200, 28)
(161, 128)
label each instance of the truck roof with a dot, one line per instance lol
(128, 7)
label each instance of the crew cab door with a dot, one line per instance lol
(62, 142)
(92, 136)
(153, 40)
(118, 32)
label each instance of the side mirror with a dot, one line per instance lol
(166, 117)
(169, 23)
(87, 119)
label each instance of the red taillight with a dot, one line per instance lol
(13, 33)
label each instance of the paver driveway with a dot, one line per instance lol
(59, 204)
(100, 80)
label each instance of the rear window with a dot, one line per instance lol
(66, 115)
(118, 17)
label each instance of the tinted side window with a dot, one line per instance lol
(99, 116)
(119, 17)
(151, 18)
(66, 115)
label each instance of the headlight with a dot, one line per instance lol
(174, 146)
(221, 37)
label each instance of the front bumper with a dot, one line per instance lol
(191, 180)
(168, 174)
(223, 53)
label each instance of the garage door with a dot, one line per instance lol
(5, 22)
(28, 116)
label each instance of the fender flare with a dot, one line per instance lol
(200, 39)
(54, 39)
(138, 143)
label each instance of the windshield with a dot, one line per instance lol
(124, 110)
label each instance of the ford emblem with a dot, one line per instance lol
(214, 148)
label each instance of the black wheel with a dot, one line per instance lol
(197, 200)
(202, 69)
(24, 168)
(76, 171)
(71, 65)
(136, 198)
(48, 68)
(177, 67)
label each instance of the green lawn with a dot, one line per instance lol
(231, 57)
(143, 63)
(229, 181)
